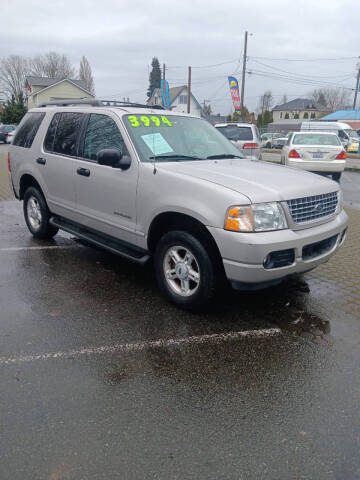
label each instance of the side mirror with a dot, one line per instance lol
(112, 157)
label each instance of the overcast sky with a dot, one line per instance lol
(120, 37)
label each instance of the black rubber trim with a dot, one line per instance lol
(107, 242)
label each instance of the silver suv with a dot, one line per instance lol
(245, 137)
(149, 183)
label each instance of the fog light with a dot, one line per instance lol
(281, 258)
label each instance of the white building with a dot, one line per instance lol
(178, 100)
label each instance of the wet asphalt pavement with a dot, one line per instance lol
(264, 386)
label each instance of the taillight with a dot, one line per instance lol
(293, 154)
(341, 156)
(250, 145)
(9, 165)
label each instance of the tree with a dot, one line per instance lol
(13, 71)
(52, 65)
(207, 109)
(264, 119)
(85, 75)
(296, 116)
(235, 117)
(229, 118)
(286, 115)
(265, 102)
(154, 77)
(331, 98)
(14, 110)
(306, 115)
(313, 115)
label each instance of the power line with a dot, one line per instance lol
(298, 80)
(204, 66)
(299, 74)
(306, 59)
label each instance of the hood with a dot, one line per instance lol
(259, 181)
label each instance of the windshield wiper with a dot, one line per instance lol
(175, 156)
(223, 155)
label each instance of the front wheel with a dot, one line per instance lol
(37, 214)
(184, 270)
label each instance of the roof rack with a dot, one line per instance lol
(96, 103)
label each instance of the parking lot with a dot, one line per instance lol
(101, 378)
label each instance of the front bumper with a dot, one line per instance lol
(243, 254)
(317, 165)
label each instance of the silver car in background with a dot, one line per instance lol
(316, 152)
(245, 136)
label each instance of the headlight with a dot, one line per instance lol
(260, 217)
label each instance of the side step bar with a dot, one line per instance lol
(104, 241)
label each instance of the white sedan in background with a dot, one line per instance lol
(10, 136)
(320, 152)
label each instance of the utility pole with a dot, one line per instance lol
(189, 90)
(243, 73)
(356, 88)
(163, 71)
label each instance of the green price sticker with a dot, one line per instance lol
(148, 121)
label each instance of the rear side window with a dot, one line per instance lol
(27, 129)
(63, 133)
(235, 133)
(50, 135)
(102, 132)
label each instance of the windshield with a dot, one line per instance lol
(316, 139)
(177, 138)
(235, 133)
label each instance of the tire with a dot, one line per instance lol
(336, 176)
(37, 214)
(182, 289)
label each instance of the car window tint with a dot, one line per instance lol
(102, 132)
(232, 132)
(50, 135)
(27, 129)
(67, 132)
(316, 139)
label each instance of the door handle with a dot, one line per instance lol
(41, 161)
(85, 172)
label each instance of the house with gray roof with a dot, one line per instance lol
(178, 100)
(298, 109)
(44, 89)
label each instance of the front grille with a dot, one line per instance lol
(311, 209)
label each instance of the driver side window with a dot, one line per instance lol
(102, 132)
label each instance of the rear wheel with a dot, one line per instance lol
(37, 214)
(336, 176)
(184, 270)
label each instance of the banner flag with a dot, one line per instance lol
(165, 94)
(234, 90)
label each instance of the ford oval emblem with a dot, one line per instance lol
(319, 207)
